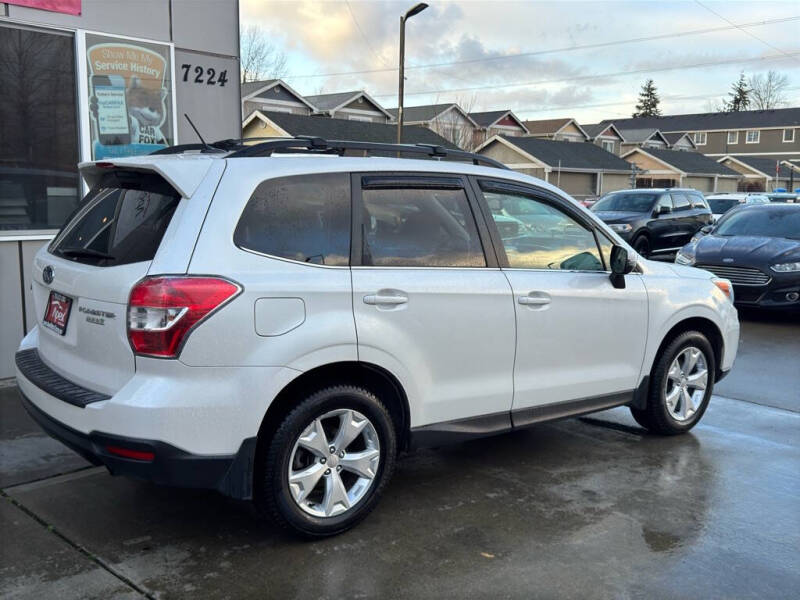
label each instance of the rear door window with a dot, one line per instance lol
(122, 220)
(305, 218)
(681, 201)
(419, 227)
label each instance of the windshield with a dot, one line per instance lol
(762, 223)
(636, 202)
(721, 206)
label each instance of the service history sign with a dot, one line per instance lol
(130, 96)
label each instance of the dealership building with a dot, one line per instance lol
(88, 79)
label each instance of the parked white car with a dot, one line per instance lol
(722, 203)
(279, 327)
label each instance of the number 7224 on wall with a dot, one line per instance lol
(203, 75)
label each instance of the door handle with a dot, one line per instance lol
(534, 300)
(385, 299)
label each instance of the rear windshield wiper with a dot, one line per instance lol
(76, 251)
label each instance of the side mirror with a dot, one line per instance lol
(707, 229)
(621, 265)
(663, 210)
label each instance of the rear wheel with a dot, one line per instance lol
(681, 384)
(642, 246)
(328, 462)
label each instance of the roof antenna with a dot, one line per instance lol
(197, 132)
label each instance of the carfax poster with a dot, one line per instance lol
(130, 97)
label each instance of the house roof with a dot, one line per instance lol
(573, 155)
(426, 113)
(761, 163)
(346, 129)
(674, 138)
(779, 117)
(691, 163)
(489, 118)
(332, 102)
(594, 130)
(253, 86)
(638, 136)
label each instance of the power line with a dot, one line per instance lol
(364, 37)
(551, 50)
(752, 35)
(597, 76)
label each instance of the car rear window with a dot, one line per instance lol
(121, 220)
(304, 218)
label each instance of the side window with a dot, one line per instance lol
(405, 227)
(665, 200)
(681, 201)
(698, 201)
(538, 236)
(304, 218)
(606, 245)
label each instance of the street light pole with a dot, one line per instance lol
(415, 10)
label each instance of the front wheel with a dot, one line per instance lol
(642, 246)
(681, 384)
(328, 462)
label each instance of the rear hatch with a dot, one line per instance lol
(81, 283)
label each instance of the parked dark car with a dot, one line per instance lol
(756, 247)
(655, 221)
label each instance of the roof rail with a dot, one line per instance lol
(308, 144)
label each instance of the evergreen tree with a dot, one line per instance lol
(648, 101)
(739, 96)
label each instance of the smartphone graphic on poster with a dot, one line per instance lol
(113, 128)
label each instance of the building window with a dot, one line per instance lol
(788, 135)
(700, 138)
(39, 183)
(753, 137)
(130, 95)
(733, 137)
(608, 146)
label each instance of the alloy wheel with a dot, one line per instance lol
(334, 463)
(685, 384)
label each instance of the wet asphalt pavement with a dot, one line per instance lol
(582, 508)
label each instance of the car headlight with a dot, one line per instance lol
(621, 227)
(682, 258)
(791, 267)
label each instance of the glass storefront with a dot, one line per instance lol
(126, 89)
(39, 184)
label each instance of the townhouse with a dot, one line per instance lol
(766, 133)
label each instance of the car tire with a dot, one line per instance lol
(642, 246)
(296, 449)
(674, 404)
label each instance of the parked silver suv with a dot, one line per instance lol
(279, 326)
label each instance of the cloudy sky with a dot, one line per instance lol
(540, 59)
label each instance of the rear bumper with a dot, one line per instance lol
(229, 474)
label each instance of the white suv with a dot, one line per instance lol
(280, 327)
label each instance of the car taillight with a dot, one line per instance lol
(163, 310)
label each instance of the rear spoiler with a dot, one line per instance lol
(181, 173)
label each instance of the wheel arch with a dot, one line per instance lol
(704, 325)
(375, 378)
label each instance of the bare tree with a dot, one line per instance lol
(768, 91)
(259, 58)
(715, 105)
(453, 127)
